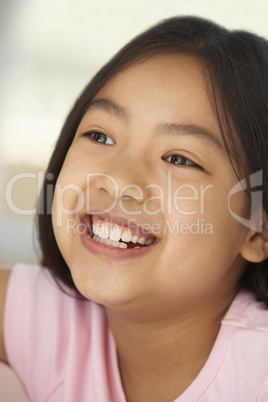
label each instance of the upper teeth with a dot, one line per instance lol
(116, 233)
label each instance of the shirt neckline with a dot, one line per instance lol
(214, 362)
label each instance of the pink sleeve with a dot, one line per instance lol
(36, 314)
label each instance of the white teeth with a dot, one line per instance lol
(109, 242)
(135, 238)
(115, 233)
(142, 240)
(109, 234)
(101, 230)
(127, 236)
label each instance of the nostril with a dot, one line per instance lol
(132, 192)
(128, 197)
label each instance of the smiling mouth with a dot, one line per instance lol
(117, 235)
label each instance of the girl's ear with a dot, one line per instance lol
(255, 247)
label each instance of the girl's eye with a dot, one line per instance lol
(181, 161)
(99, 137)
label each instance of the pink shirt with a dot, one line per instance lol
(63, 350)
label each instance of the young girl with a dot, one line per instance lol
(153, 225)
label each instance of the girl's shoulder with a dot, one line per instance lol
(34, 290)
(237, 364)
(39, 308)
(245, 336)
(247, 313)
(45, 322)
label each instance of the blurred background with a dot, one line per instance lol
(49, 49)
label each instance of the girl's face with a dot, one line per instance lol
(148, 164)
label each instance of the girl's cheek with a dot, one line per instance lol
(189, 201)
(64, 201)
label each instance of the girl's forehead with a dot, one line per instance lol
(164, 67)
(168, 88)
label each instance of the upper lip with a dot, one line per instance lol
(118, 220)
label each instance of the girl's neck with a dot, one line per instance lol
(159, 360)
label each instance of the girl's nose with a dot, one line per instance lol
(121, 186)
(126, 181)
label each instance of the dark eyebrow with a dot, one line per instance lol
(192, 129)
(109, 106)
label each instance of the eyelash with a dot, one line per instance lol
(182, 161)
(93, 134)
(173, 158)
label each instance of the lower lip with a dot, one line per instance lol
(113, 252)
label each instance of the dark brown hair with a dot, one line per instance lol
(236, 69)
